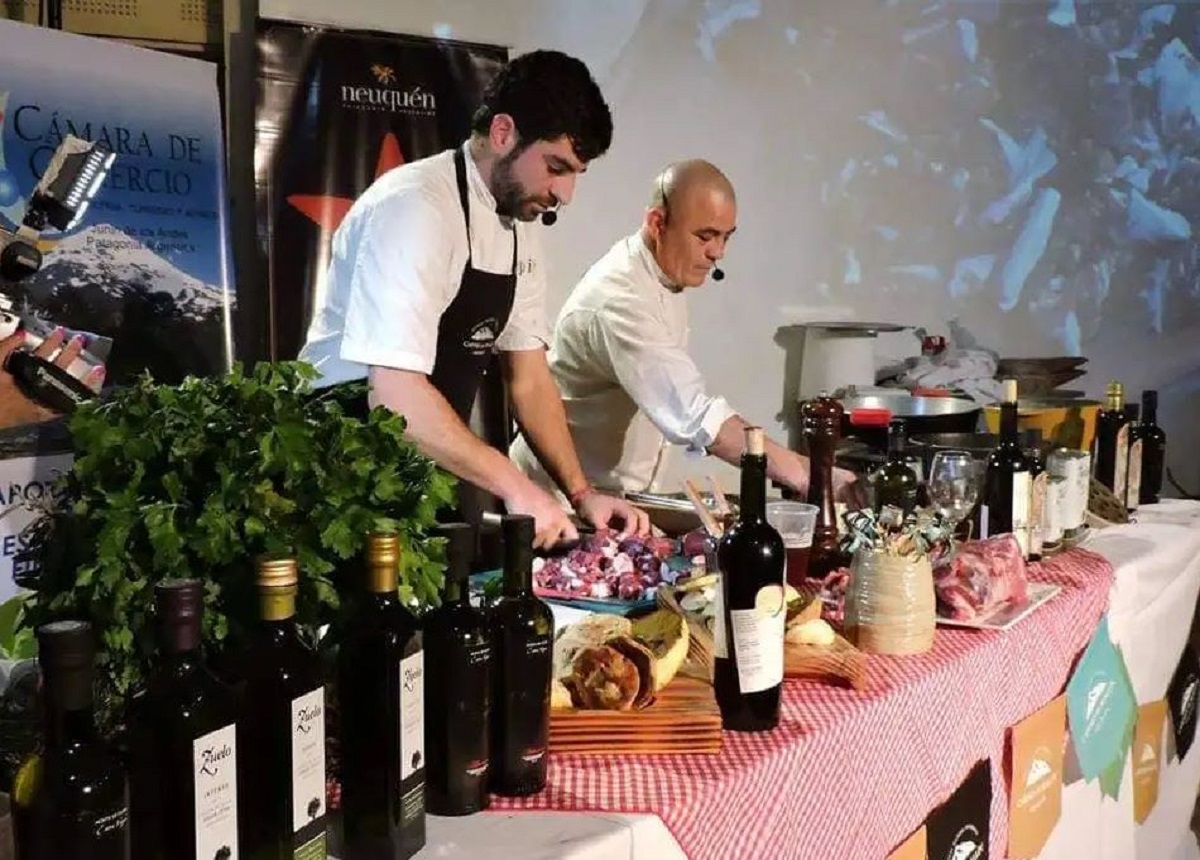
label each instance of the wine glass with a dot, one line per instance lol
(954, 484)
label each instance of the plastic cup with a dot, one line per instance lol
(795, 522)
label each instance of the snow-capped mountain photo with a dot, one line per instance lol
(101, 279)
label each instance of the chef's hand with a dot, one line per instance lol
(551, 523)
(17, 409)
(849, 489)
(601, 510)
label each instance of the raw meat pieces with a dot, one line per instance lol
(604, 568)
(981, 577)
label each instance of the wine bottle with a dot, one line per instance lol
(751, 610)
(381, 692)
(74, 795)
(1031, 443)
(1112, 441)
(1153, 443)
(183, 776)
(895, 483)
(1007, 486)
(522, 629)
(458, 646)
(281, 785)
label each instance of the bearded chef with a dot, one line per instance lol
(436, 266)
(620, 354)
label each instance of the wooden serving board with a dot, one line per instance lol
(840, 661)
(682, 718)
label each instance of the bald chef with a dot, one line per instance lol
(619, 351)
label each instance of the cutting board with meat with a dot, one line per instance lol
(618, 689)
(607, 574)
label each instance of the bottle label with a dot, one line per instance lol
(111, 828)
(313, 849)
(720, 634)
(471, 750)
(412, 714)
(214, 763)
(308, 758)
(758, 640)
(535, 707)
(1022, 497)
(1121, 469)
(1134, 488)
(1038, 504)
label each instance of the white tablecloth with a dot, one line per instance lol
(1157, 563)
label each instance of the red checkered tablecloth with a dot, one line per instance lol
(847, 774)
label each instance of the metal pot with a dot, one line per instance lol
(922, 415)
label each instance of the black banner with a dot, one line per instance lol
(959, 829)
(336, 109)
(1181, 699)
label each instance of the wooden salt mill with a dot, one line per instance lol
(821, 420)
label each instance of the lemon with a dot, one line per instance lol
(770, 600)
(25, 783)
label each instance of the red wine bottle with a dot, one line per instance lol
(183, 775)
(1153, 443)
(522, 629)
(79, 803)
(281, 785)
(458, 648)
(750, 617)
(381, 701)
(1008, 482)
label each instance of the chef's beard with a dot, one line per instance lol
(511, 199)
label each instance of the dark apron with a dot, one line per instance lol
(465, 363)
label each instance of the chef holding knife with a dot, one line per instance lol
(620, 356)
(437, 265)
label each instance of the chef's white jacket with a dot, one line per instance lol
(396, 264)
(619, 355)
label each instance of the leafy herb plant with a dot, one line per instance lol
(197, 480)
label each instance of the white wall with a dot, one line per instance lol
(753, 87)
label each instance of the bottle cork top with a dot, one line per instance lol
(1010, 391)
(1115, 389)
(383, 548)
(277, 572)
(755, 441)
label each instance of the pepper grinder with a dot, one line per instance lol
(821, 420)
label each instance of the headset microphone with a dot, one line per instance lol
(717, 274)
(549, 217)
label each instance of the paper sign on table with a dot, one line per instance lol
(1181, 696)
(1100, 705)
(913, 848)
(1147, 757)
(1110, 778)
(1036, 781)
(959, 829)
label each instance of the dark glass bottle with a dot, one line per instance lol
(75, 799)
(381, 708)
(1112, 441)
(1153, 450)
(895, 483)
(458, 646)
(183, 775)
(281, 785)
(749, 629)
(1007, 486)
(522, 629)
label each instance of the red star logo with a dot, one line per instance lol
(326, 210)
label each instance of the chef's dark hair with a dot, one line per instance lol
(549, 94)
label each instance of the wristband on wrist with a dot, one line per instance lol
(576, 498)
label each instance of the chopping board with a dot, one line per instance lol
(683, 718)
